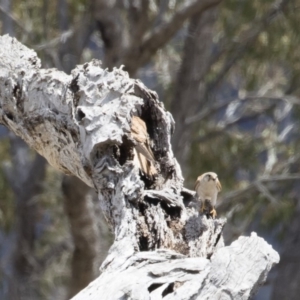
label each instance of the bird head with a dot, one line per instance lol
(210, 177)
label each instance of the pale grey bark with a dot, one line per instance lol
(81, 124)
(233, 272)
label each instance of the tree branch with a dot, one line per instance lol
(235, 196)
(139, 19)
(190, 87)
(210, 110)
(108, 22)
(15, 20)
(163, 33)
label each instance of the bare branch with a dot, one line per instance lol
(139, 19)
(15, 20)
(190, 83)
(163, 33)
(224, 125)
(62, 38)
(162, 9)
(206, 112)
(108, 22)
(210, 110)
(263, 189)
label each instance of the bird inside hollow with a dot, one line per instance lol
(143, 155)
(207, 187)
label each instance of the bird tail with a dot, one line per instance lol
(145, 165)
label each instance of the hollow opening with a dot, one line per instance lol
(154, 286)
(169, 289)
(143, 243)
(123, 152)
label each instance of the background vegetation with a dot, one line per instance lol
(229, 73)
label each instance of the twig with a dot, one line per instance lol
(15, 19)
(62, 38)
(213, 109)
(263, 189)
(163, 33)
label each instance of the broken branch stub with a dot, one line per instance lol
(82, 124)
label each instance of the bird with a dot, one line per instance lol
(143, 155)
(207, 187)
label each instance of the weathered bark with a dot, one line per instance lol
(81, 124)
(169, 275)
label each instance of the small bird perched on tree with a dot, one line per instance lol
(207, 187)
(143, 155)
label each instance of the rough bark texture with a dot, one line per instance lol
(233, 272)
(81, 124)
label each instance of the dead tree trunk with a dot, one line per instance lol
(81, 123)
